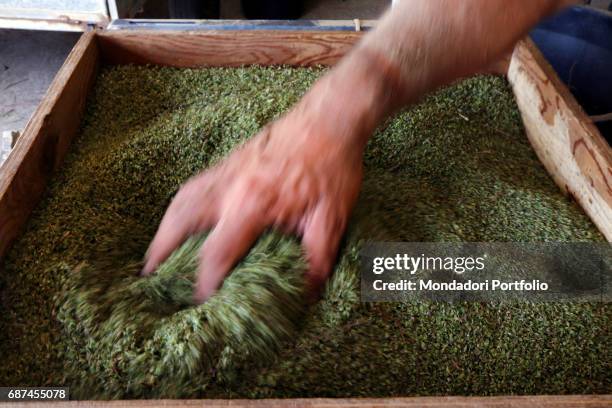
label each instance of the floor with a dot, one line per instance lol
(28, 63)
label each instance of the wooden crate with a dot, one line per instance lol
(568, 144)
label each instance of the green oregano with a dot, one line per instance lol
(457, 167)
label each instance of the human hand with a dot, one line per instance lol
(300, 174)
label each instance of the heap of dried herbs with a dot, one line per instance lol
(455, 168)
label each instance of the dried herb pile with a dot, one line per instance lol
(455, 168)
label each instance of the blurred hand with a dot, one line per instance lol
(300, 174)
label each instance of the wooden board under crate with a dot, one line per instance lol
(568, 144)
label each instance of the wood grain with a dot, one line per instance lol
(226, 48)
(564, 138)
(543, 401)
(45, 140)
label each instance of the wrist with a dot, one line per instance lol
(353, 98)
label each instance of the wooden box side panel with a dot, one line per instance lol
(564, 138)
(526, 401)
(226, 48)
(45, 140)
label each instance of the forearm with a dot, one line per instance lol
(419, 46)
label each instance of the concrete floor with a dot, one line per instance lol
(28, 62)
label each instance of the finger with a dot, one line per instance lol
(173, 231)
(321, 240)
(189, 212)
(231, 239)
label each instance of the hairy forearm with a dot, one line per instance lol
(419, 46)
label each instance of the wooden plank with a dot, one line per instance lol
(541, 401)
(46, 25)
(225, 48)
(564, 138)
(57, 15)
(45, 140)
